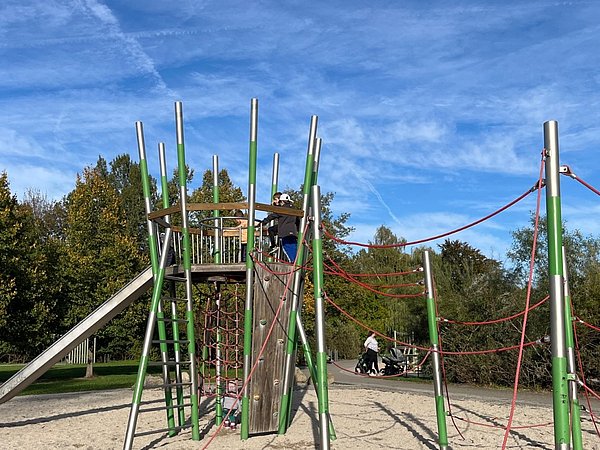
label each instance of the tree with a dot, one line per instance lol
(29, 295)
(47, 256)
(125, 177)
(228, 193)
(101, 255)
(583, 271)
(12, 276)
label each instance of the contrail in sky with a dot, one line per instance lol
(378, 195)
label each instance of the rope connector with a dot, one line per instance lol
(543, 340)
(572, 377)
(566, 170)
(535, 186)
(418, 269)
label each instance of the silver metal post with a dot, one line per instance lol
(560, 395)
(216, 214)
(320, 321)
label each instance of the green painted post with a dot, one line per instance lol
(290, 363)
(245, 425)
(435, 344)
(187, 267)
(275, 175)
(164, 183)
(162, 332)
(560, 397)
(316, 159)
(571, 364)
(274, 182)
(323, 395)
(301, 333)
(158, 271)
(217, 258)
(216, 212)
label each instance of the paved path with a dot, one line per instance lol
(347, 378)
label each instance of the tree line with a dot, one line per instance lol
(60, 259)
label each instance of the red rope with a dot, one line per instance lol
(261, 351)
(504, 319)
(589, 325)
(417, 366)
(393, 286)
(580, 364)
(406, 344)
(392, 274)
(361, 324)
(442, 360)
(368, 287)
(587, 185)
(590, 390)
(513, 404)
(420, 241)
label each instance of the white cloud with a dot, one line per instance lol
(430, 114)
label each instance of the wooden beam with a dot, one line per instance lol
(225, 206)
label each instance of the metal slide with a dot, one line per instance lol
(84, 329)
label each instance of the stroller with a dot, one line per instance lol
(362, 366)
(396, 363)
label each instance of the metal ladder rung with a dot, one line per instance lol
(174, 278)
(170, 341)
(167, 320)
(174, 299)
(161, 400)
(167, 363)
(164, 407)
(187, 383)
(162, 430)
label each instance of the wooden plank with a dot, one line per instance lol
(225, 206)
(266, 384)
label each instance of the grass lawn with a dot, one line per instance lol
(70, 378)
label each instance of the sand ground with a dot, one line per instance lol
(363, 419)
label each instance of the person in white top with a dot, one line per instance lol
(372, 349)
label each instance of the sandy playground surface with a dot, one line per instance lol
(363, 419)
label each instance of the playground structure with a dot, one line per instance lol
(565, 399)
(210, 256)
(565, 378)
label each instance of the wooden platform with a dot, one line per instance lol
(203, 273)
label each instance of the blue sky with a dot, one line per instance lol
(431, 113)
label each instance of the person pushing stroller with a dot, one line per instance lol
(371, 351)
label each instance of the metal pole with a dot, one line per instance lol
(187, 267)
(571, 366)
(286, 403)
(275, 176)
(560, 397)
(301, 333)
(164, 183)
(216, 212)
(217, 259)
(219, 356)
(274, 183)
(317, 244)
(435, 345)
(158, 270)
(244, 431)
(316, 160)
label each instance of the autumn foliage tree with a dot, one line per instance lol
(101, 255)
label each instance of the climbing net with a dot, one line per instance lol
(443, 323)
(222, 338)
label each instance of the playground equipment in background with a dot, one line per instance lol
(208, 262)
